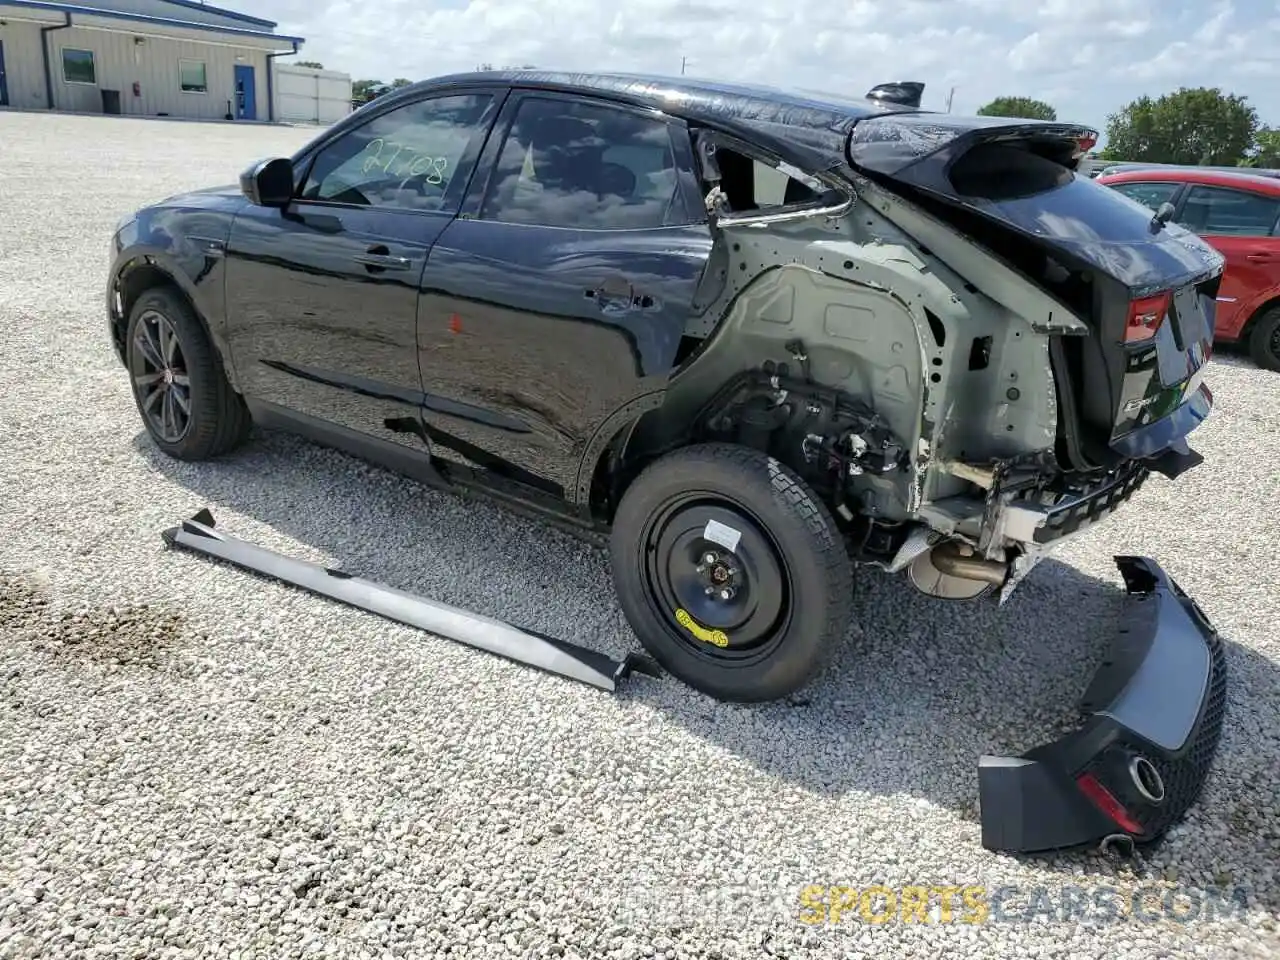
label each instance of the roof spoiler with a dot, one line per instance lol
(908, 93)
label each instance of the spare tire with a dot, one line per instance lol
(731, 571)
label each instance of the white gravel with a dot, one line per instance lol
(196, 763)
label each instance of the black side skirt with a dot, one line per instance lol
(473, 629)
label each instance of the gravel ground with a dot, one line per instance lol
(196, 763)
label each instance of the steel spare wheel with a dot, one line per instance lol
(716, 578)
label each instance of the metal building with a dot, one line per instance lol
(310, 95)
(176, 58)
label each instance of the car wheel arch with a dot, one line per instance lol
(1268, 317)
(1261, 311)
(596, 489)
(145, 273)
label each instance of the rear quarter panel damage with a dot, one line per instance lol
(956, 374)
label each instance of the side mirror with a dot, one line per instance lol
(268, 183)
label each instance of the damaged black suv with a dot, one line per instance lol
(756, 338)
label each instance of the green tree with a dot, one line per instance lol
(364, 89)
(310, 63)
(1023, 108)
(399, 82)
(1266, 149)
(1200, 125)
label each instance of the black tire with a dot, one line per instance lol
(792, 575)
(215, 420)
(1264, 341)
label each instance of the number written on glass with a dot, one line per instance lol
(382, 155)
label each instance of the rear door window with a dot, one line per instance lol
(1223, 212)
(567, 163)
(1148, 194)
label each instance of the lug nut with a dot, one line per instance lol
(709, 558)
(726, 594)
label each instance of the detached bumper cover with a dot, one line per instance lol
(1157, 704)
(473, 629)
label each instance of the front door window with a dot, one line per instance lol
(415, 157)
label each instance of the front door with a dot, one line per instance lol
(246, 92)
(322, 296)
(562, 291)
(4, 85)
(1242, 225)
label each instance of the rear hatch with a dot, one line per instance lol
(1147, 289)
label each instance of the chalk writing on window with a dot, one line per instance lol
(382, 156)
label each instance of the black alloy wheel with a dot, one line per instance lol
(161, 382)
(182, 392)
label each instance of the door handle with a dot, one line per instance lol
(615, 295)
(380, 258)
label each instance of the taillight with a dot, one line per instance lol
(1085, 142)
(1105, 801)
(1145, 317)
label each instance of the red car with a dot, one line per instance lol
(1239, 214)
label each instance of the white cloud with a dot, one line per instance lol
(1087, 57)
(1212, 30)
(1026, 53)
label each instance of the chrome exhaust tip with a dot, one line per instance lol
(1147, 780)
(1117, 844)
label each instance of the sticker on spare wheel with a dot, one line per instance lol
(717, 638)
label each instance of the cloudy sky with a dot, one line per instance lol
(1086, 57)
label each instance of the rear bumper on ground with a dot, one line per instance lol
(1157, 704)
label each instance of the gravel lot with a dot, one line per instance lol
(195, 763)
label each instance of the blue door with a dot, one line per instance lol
(246, 93)
(4, 87)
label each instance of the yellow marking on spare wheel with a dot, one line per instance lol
(715, 637)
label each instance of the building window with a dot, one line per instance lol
(191, 76)
(77, 66)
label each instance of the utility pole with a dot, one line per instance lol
(950, 97)
(683, 61)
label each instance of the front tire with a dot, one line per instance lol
(1264, 341)
(731, 572)
(182, 393)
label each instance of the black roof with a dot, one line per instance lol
(808, 124)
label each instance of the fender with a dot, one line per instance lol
(190, 255)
